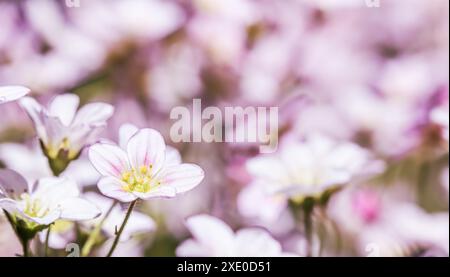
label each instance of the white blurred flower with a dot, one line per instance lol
(213, 237)
(36, 167)
(138, 223)
(144, 169)
(11, 93)
(311, 167)
(64, 131)
(44, 203)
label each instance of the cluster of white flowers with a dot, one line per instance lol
(142, 167)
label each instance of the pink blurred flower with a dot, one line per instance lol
(394, 226)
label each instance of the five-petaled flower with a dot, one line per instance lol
(311, 167)
(62, 130)
(143, 169)
(45, 202)
(12, 93)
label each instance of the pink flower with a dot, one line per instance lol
(142, 169)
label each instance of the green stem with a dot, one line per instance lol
(24, 242)
(308, 207)
(308, 232)
(47, 238)
(94, 234)
(119, 233)
(25, 247)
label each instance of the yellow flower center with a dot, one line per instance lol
(34, 207)
(65, 145)
(140, 180)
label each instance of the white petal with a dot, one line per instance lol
(126, 131)
(113, 187)
(55, 131)
(183, 177)
(138, 223)
(146, 148)
(108, 159)
(34, 111)
(49, 218)
(254, 202)
(254, 242)
(191, 248)
(12, 184)
(78, 209)
(9, 205)
(82, 135)
(94, 114)
(268, 168)
(212, 233)
(64, 107)
(56, 189)
(173, 156)
(11, 93)
(159, 192)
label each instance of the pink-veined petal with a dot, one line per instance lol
(146, 148)
(108, 159)
(11, 93)
(113, 187)
(64, 107)
(183, 177)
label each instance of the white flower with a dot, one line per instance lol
(36, 167)
(143, 169)
(11, 93)
(309, 168)
(44, 203)
(61, 128)
(214, 238)
(62, 232)
(138, 223)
